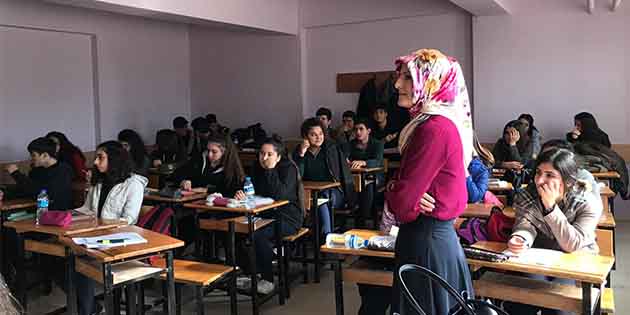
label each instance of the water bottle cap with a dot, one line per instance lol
(248, 178)
(43, 191)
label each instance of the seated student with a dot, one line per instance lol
(115, 193)
(534, 135)
(383, 130)
(201, 133)
(218, 168)
(277, 177)
(184, 134)
(320, 159)
(167, 150)
(215, 127)
(479, 170)
(46, 173)
(513, 150)
(345, 132)
(70, 154)
(325, 117)
(587, 130)
(365, 151)
(132, 142)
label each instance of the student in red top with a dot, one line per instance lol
(436, 147)
(70, 154)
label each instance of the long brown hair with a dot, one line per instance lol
(484, 154)
(232, 167)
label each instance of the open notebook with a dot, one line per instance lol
(110, 240)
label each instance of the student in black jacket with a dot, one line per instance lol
(168, 149)
(587, 130)
(277, 177)
(46, 173)
(365, 151)
(218, 168)
(383, 129)
(514, 149)
(321, 160)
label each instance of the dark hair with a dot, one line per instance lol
(166, 141)
(363, 121)
(42, 145)
(564, 162)
(137, 149)
(200, 124)
(180, 122)
(278, 146)
(349, 114)
(232, 167)
(119, 164)
(211, 118)
(66, 148)
(530, 121)
(379, 106)
(590, 128)
(524, 140)
(557, 144)
(310, 123)
(323, 111)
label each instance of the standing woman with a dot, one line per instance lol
(132, 142)
(70, 154)
(587, 130)
(533, 133)
(436, 147)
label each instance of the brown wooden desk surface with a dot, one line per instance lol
(606, 175)
(79, 226)
(606, 192)
(576, 266)
(201, 205)
(156, 242)
(312, 185)
(17, 204)
(153, 196)
(477, 210)
(367, 170)
(497, 188)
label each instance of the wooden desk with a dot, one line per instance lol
(156, 244)
(503, 189)
(17, 204)
(51, 247)
(201, 206)
(360, 175)
(174, 203)
(498, 172)
(608, 197)
(312, 189)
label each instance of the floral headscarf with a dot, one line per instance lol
(438, 89)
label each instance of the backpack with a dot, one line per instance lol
(499, 226)
(472, 230)
(158, 219)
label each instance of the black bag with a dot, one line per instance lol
(464, 305)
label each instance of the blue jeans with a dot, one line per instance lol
(336, 200)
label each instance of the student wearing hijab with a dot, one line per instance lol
(587, 130)
(436, 147)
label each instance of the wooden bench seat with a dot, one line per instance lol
(292, 238)
(360, 272)
(121, 272)
(530, 291)
(608, 301)
(240, 224)
(194, 272)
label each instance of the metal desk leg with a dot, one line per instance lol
(280, 288)
(131, 299)
(20, 271)
(338, 287)
(587, 302)
(108, 283)
(71, 291)
(317, 233)
(252, 261)
(170, 283)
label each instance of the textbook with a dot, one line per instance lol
(110, 240)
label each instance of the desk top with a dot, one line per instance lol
(497, 188)
(606, 192)
(576, 266)
(201, 205)
(606, 175)
(156, 242)
(477, 210)
(367, 170)
(153, 196)
(312, 185)
(16, 204)
(78, 226)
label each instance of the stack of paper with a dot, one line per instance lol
(110, 240)
(535, 256)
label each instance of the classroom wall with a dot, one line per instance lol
(245, 78)
(373, 46)
(553, 60)
(142, 65)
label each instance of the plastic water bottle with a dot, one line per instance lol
(248, 189)
(346, 240)
(42, 204)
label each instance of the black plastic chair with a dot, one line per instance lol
(463, 307)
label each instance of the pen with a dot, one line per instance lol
(112, 241)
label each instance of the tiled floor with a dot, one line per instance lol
(319, 298)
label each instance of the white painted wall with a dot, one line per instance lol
(373, 46)
(553, 60)
(246, 78)
(142, 65)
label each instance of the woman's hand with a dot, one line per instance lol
(512, 136)
(517, 244)
(358, 164)
(157, 163)
(549, 194)
(304, 146)
(391, 137)
(240, 195)
(427, 203)
(186, 185)
(11, 168)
